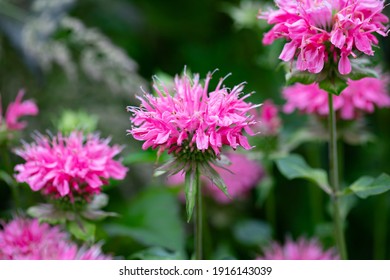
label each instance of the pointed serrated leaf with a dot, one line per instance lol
(294, 166)
(191, 185)
(367, 186)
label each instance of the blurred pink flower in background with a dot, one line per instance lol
(241, 176)
(302, 249)
(27, 239)
(16, 110)
(69, 166)
(267, 120)
(317, 31)
(192, 117)
(361, 96)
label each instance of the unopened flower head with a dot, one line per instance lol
(27, 239)
(302, 249)
(361, 96)
(69, 166)
(16, 110)
(322, 31)
(191, 121)
(241, 175)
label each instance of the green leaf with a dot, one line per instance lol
(295, 76)
(208, 171)
(333, 85)
(367, 186)
(153, 219)
(191, 187)
(252, 232)
(82, 230)
(170, 167)
(50, 214)
(93, 209)
(157, 253)
(294, 166)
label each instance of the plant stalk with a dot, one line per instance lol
(198, 218)
(334, 178)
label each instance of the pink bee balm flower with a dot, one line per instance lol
(25, 239)
(268, 121)
(192, 117)
(317, 31)
(360, 96)
(300, 250)
(240, 176)
(18, 109)
(69, 166)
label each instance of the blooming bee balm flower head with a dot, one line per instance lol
(191, 121)
(322, 31)
(69, 166)
(25, 239)
(302, 249)
(361, 96)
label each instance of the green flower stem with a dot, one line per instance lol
(315, 194)
(270, 208)
(198, 217)
(270, 201)
(334, 178)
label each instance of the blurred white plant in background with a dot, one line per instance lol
(47, 36)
